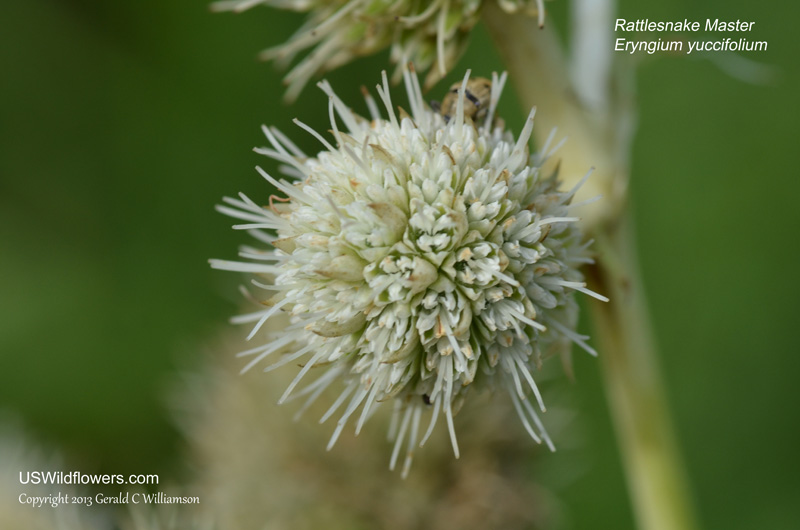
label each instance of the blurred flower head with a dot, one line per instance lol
(256, 468)
(432, 35)
(421, 256)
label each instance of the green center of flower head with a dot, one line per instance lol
(421, 256)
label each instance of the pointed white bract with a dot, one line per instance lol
(418, 258)
(431, 34)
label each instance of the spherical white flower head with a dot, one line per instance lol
(432, 35)
(419, 257)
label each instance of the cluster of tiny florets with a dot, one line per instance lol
(418, 256)
(432, 35)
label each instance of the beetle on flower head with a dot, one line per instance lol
(477, 98)
(418, 258)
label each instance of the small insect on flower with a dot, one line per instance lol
(418, 258)
(476, 100)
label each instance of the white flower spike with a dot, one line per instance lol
(418, 258)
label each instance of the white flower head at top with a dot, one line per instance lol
(418, 256)
(432, 34)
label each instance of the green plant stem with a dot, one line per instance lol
(656, 481)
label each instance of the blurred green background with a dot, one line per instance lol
(123, 123)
